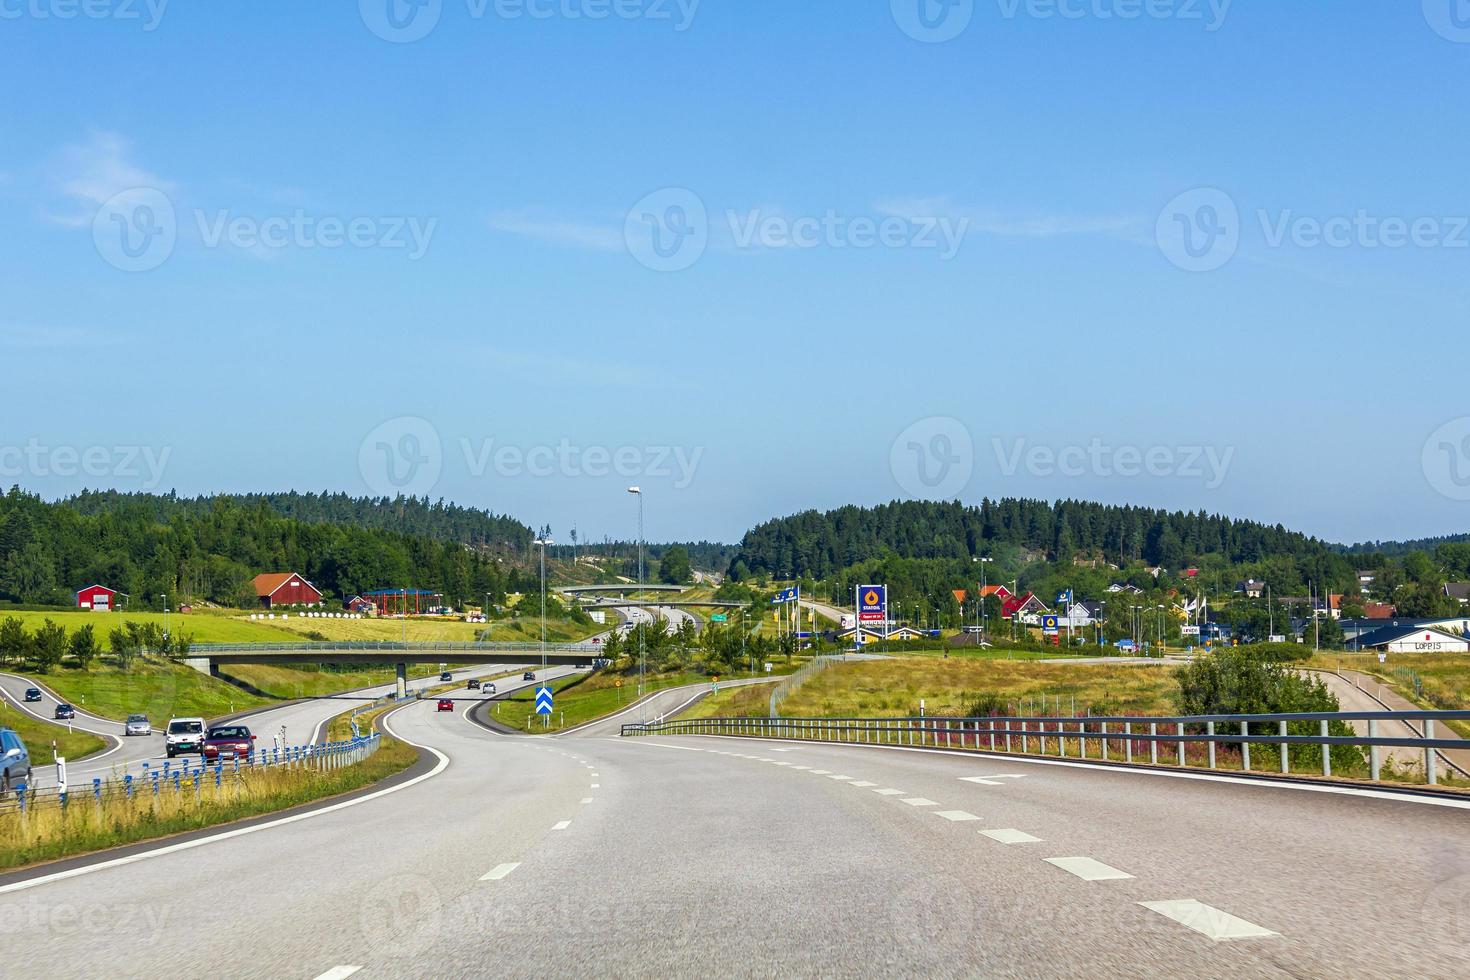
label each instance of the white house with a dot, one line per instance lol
(1414, 639)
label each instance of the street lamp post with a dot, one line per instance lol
(164, 597)
(982, 562)
(642, 669)
(543, 542)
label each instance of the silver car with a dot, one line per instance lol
(138, 725)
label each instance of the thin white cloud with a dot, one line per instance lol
(557, 231)
(1011, 226)
(91, 173)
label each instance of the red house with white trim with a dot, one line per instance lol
(98, 598)
(285, 589)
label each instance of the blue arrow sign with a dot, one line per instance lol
(543, 700)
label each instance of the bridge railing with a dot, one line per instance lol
(357, 646)
(1193, 742)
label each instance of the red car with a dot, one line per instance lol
(227, 742)
(445, 704)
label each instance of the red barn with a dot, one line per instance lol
(285, 589)
(98, 598)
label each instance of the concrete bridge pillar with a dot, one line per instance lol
(202, 664)
(402, 671)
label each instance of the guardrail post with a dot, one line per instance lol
(1429, 766)
(1179, 730)
(1374, 762)
(1082, 739)
(1061, 739)
(1326, 752)
(128, 786)
(1153, 745)
(1285, 755)
(1245, 747)
(1008, 736)
(1128, 742)
(1210, 732)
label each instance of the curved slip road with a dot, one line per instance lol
(533, 856)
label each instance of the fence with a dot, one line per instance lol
(1119, 740)
(187, 776)
(788, 686)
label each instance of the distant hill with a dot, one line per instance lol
(1397, 549)
(819, 545)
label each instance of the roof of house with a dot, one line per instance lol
(269, 583)
(1389, 634)
(1379, 610)
(1458, 590)
(102, 587)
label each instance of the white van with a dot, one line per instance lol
(184, 735)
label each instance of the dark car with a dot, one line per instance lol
(33, 694)
(473, 685)
(445, 704)
(227, 742)
(446, 676)
(64, 711)
(529, 675)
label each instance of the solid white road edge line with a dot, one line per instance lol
(242, 831)
(1208, 777)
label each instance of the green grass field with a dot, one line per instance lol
(207, 626)
(595, 697)
(309, 680)
(38, 736)
(159, 690)
(894, 688)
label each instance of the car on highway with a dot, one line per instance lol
(33, 694)
(445, 704)
(138, 725)
(15, 761)
(446, 676)
(227, 742)
(473, 684)
(183, 735)
(529, 675)
(488, 688)
(65, 711)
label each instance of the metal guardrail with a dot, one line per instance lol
(187, 776)
(498, 646)
(1115, 739)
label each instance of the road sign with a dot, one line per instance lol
(544, 700)
(719, 618)
(786, 595)
(618, 682)
(872, 603)
(1189, 631)
(1050, 624)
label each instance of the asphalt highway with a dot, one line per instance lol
(536, 856)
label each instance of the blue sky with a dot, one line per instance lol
(500, 330)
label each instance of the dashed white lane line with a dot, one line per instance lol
(586, 799)
(862, 784)
(919, 801)
(819, 772)
(802, 768)
(1011, 836)
(1088, 869)
(841, 778)
(890, 792)
(339, 973)
(1207, 920)
(955, 816)
(597, 786)
(991, 780)
(500, 871)
(562, 825)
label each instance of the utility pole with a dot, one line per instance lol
(642, 669)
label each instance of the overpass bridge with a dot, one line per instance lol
(207, 657)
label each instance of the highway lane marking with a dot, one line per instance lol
(1208, 921)
(802, 768)
(439, 767)
(819, 772)
(586, 799)
(500, 871)
(862, 784)
(562, 825)
(842, 778)
(1088, 869)
(339, 973)
(955, 816)
(1372, 794)
(919, 801)
(597, 786)
(890, 792)
(1010, 836)
(988, 780)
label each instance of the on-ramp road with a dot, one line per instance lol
(535, 857)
